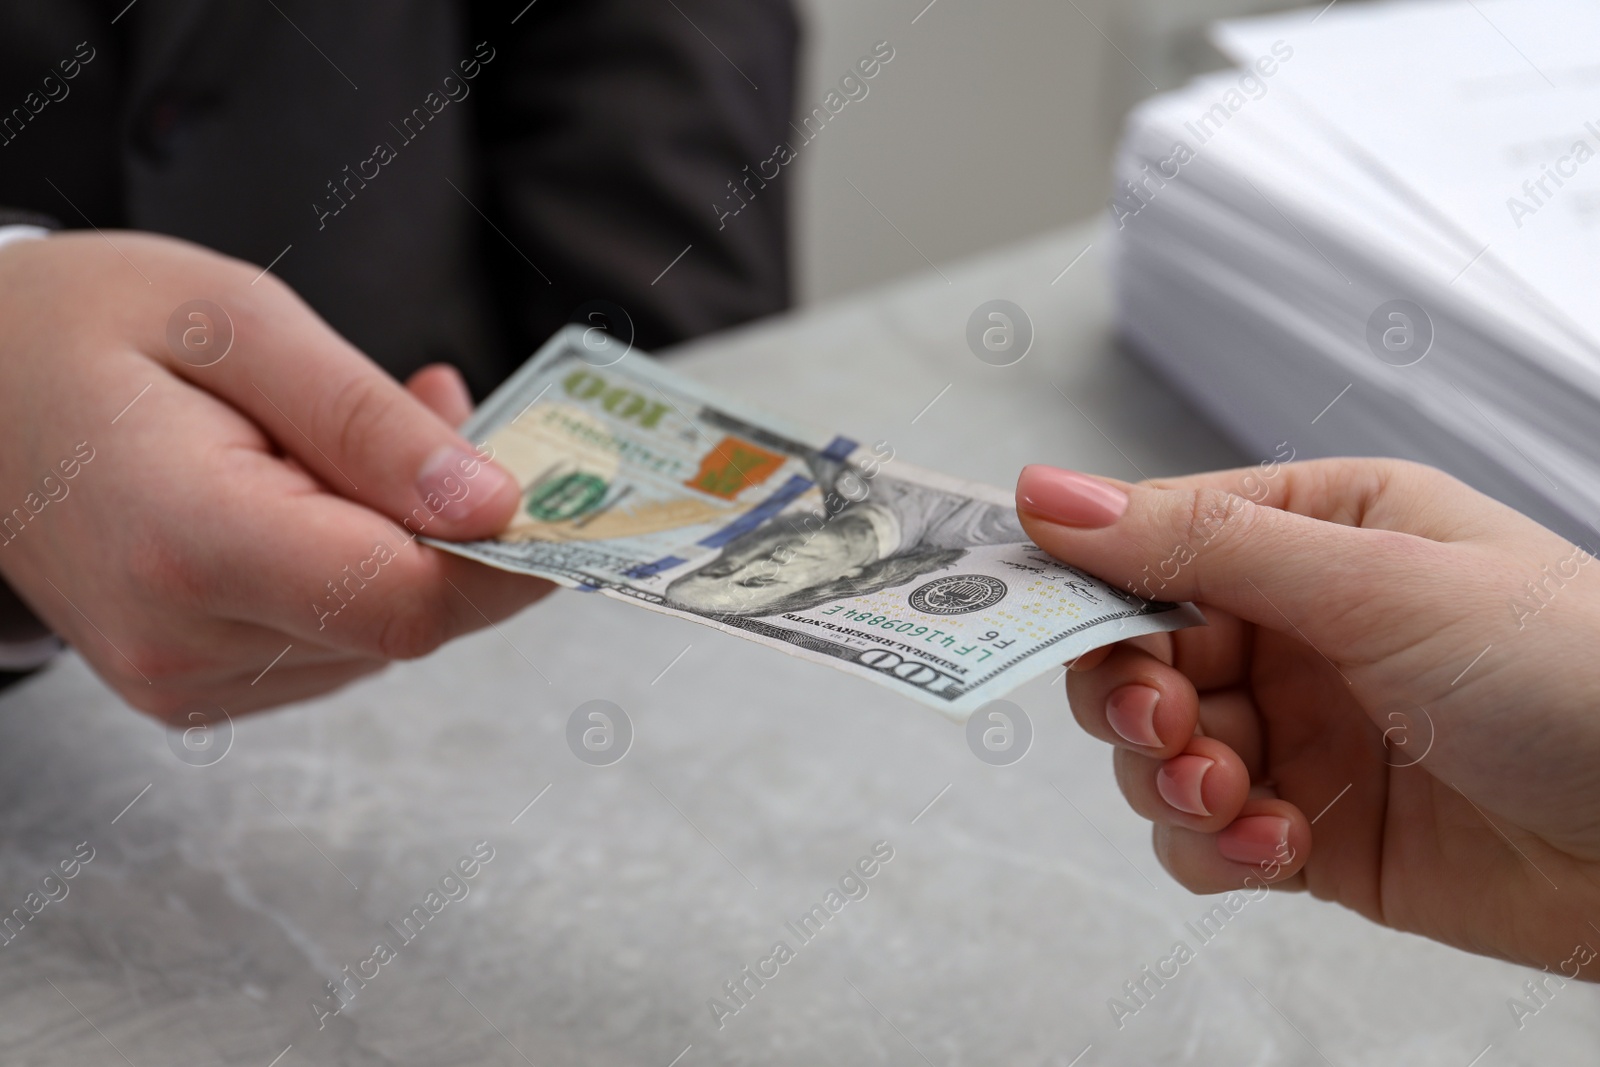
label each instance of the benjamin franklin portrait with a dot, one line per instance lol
(872, 534)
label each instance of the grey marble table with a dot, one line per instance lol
(1018, 901)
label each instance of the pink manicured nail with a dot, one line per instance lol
(1069, 498)
(1255, 839)
(454, 482)
(1131, 711)
(1178, 781)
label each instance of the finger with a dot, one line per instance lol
(442, 389)
(1090, 659)
(1267, 844)
(1230, 717)
(1279, 569)
(1157, 645)
(213, 651)
(418, 600)
(346, 420)
(1134, 701)
(404, 599)
(325, 570)
(297, 684)
(1374, 494)
(1202, 788)
(242, 695)
(1216, 655)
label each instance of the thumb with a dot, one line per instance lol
(1299, 574)
(352, 425)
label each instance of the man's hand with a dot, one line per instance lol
(185, 520)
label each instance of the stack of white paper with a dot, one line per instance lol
(1380, 235)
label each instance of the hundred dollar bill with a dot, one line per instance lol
(647, 487)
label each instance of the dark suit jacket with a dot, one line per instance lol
(440, 179)
(443, 179)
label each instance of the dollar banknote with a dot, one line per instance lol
(646, 486)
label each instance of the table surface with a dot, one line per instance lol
(1018, 901)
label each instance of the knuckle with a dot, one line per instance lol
(160, 573)
(257, 303)
(1405, 473)
(1368, 480)
(1134, 774)
(143, 686)
(358, 412)
(1163, 844)
(150, 666)
(410, 634)
(165, 706)
(1388, 467)
(1215, 515)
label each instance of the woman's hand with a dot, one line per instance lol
(218, 527)
(1392, 656)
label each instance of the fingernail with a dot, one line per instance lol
(1255, 839)
(454, 482)
(1069, 498)
(1178, 781)
(1131, 711)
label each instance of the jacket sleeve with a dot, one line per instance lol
(26, 644)
(624, 145)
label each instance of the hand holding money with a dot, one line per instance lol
(647, 487)
(1392, 656)
(197, 521)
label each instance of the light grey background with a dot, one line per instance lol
(996, 120)
(1019, 900)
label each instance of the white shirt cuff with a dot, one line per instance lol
(21, 232)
